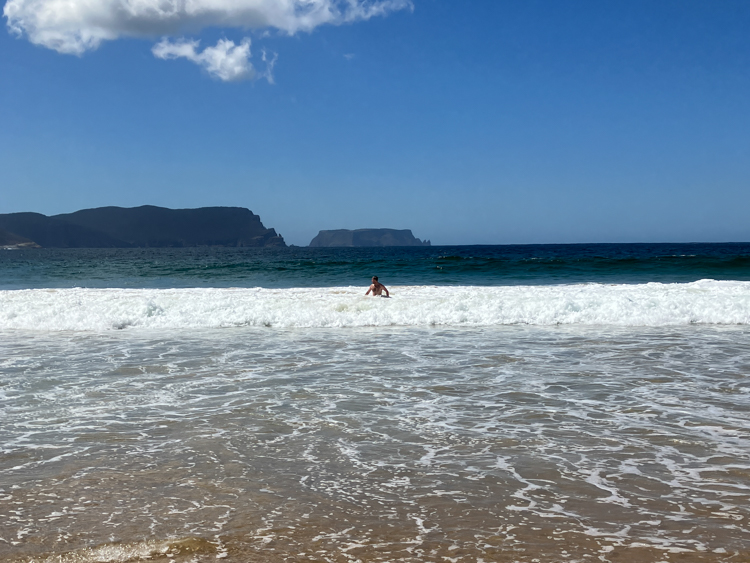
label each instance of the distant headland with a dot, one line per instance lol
(367, 237)
(149, 226)
(138, 227)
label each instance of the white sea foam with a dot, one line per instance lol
(126, 552)
(653, 304)
(626, 441)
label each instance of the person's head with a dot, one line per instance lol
(374, 279)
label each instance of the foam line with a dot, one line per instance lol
(654, 304)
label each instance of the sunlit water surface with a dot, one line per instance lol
(515, 443)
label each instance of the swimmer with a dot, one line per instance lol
(377, 288)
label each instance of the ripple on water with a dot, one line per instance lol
(503, 444)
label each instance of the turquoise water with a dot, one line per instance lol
(313, 267)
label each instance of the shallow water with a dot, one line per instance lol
(485, 443)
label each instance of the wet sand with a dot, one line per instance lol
(510, 444)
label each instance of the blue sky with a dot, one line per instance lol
(467, 122)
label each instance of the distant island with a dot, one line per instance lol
(138, 227)
(367, 237)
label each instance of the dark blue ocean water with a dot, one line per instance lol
(321, 267)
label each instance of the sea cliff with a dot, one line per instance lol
(145, 226)
(367, 237)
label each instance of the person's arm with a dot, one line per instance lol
(369, 290)
(386, 291)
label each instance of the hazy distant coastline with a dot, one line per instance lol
(367, 237)
(149, 226)
(12, 240)
(138, 227)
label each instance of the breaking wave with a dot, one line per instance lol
(653, 304)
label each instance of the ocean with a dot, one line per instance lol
(531, 403)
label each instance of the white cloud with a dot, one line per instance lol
(76, 26)
(270, 63)
(226, 61)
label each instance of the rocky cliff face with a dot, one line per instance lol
(146, 226)
(367, 237)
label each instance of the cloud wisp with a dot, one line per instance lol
(77, 26)
(226, 61)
